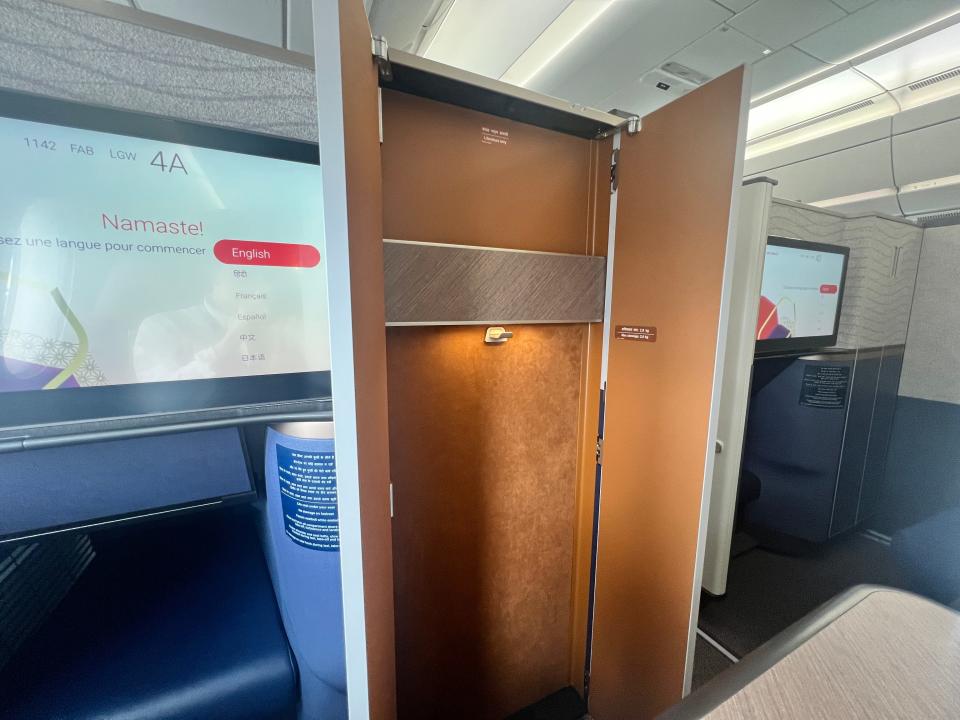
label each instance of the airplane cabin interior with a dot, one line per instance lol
(433, 359)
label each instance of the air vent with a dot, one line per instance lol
(934, 80)
(812, 121)
(941, 219)
(843, 111)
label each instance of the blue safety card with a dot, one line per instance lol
(308, 495)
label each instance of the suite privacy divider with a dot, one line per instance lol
(510, 581)
(495, 545)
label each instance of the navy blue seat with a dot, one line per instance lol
(172, 620)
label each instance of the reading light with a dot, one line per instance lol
(497, 335)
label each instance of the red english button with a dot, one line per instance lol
(828, 289)
(254, 252)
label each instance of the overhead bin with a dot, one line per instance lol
(933, 199)
(928, 153)
(854, 170)
(868, 132)
(851, 168)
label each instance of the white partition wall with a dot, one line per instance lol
(735, 393)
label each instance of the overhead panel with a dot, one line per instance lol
(852, 5)
(918, 60)
(928, 153)
(575, 21)
(824, 96)
(931, 197)
(854, 170)
(782, 68)
(877, 201)
(300, 26)
(777, 23)
(627, 41)
(720, 50)
(401, 23)
(872, 26)
(736, 5)
(648, 93)
(261, 21)
(487, 36)
(932, 90)
(834, 142)
(932, 113)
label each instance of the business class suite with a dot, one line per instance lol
(349, 373)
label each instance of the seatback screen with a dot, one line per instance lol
(131, 260)
(801, 294)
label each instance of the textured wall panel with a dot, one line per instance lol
(483, 456)
(53, 50)
(484, 439)
(880, 276)
(428, 283)
(931, 363)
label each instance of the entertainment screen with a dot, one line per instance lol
(149, 265)
(801, 295)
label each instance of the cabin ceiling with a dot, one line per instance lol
(821, 68)
(601, 53)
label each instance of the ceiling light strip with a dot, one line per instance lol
(578, 16)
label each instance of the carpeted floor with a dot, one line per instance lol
(767, 591)
(565, 704)
(707, 662)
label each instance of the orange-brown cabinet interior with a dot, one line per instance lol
(491, 448)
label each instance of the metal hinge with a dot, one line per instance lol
(391, 500)
(380, 113)
(381, 55)
(614, 182)
(631, 120)
(598, 452)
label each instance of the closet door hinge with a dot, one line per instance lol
(380, 113)
(614, 159)
(599, 451)
(391, 499)
(381, 56)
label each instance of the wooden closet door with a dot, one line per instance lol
(677, 178)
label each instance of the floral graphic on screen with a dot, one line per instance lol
(30, 361)
(775, 320)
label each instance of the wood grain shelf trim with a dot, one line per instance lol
(439, 284)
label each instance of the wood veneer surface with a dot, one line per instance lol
(484, 440)
(444, 183)
(362, 155)
(676, 182)
(483, 449)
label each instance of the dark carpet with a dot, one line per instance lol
(707, 662)
(767, 591)
(565, 704)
